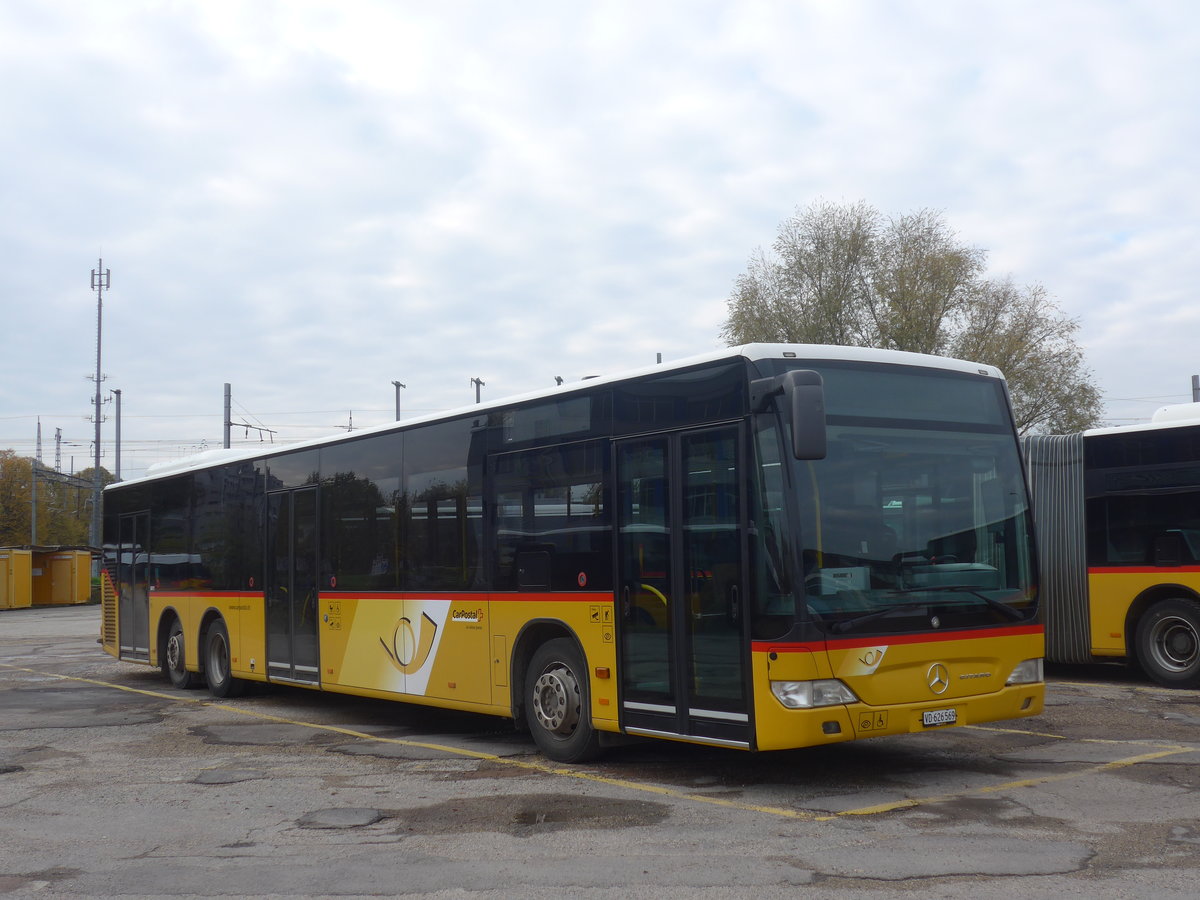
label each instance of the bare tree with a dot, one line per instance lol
(921, 282)
(1022, 332)
(847, 274)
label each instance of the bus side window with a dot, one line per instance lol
(552, 530)
(443, 533)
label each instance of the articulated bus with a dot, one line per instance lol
(768, 547)
(1118, 515)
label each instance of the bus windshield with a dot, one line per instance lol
(917, 519)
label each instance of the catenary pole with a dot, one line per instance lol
(101, 281)
(117, 435)
(398, 385)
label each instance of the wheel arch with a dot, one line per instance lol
(1141, 605)
(212, 614)
(168, 615)
(531, 636)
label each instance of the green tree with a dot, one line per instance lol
(15, 499)
(849, 275)
(63, 503)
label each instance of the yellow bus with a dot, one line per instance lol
(767, 547)
(1118, 517)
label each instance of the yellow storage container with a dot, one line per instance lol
(61, 577)
(16, 578)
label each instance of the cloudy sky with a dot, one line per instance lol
(309, 200)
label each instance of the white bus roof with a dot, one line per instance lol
(1176, 415)
(210, 458)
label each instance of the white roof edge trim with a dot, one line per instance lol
(800, 352)
(195, 460)
(1177, 415)
(866, 354)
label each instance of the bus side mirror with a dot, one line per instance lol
(804, 394)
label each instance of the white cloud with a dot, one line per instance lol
(310, 200)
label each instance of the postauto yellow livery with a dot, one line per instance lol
(775, 546)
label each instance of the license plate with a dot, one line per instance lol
(938, 717)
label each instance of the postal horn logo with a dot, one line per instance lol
(871, 658)
(409, 650)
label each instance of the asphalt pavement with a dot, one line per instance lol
(114, 784)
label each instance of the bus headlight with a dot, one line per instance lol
(812, 694)
(1028, 672)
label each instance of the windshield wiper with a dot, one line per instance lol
(843, 625)
(1010, 612)
(1004, 609)
(999, 606)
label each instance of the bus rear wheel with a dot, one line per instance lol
(1168, 643)
(173, 659)
(217, 671)
(557, 704)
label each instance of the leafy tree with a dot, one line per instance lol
(106, 477)
(14, 499)
(849, 275)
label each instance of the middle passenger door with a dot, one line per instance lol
(291, 587)
(681, 590)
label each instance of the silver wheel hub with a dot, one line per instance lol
(1175, 644)
(556, 700)
(218, 656)
(175, 652)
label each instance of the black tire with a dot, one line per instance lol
(217, 673)
(173, 658)
(1167, 643)
(557, 705)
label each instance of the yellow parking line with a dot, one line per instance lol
(674, 793)
(1137, 688)
(1063, 737)
(911, 802)
(532, 766)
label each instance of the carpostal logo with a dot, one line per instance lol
(474, 616)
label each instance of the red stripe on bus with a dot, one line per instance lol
(893, 639)
(1140, 570)
(175, 595)
(540, 597)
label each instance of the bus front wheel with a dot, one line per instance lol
(173, 658)
(557, 704)
(1168, 643)
(217, 672)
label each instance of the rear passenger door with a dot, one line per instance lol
(133, 585)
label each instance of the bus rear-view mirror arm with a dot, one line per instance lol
(804, 393)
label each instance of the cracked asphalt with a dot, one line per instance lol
(114, 784)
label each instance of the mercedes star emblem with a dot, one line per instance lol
(939, 678)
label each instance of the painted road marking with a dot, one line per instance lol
(1161, 751)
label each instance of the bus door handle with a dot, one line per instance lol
(626, 604)
(735, 604)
